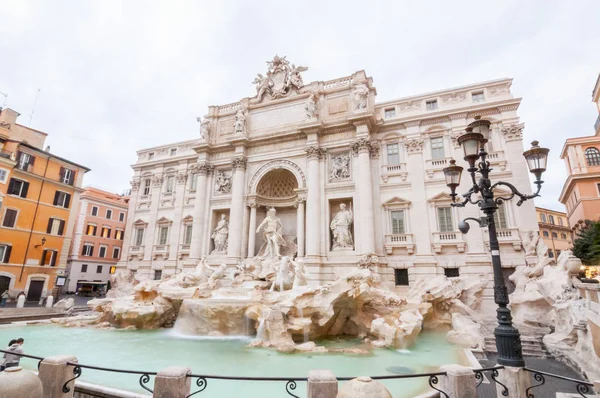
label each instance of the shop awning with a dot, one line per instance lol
(91, 283)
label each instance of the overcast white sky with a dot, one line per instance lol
(118, 76)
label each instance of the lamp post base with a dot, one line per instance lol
(508, 344)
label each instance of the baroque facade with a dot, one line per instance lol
(346, 175)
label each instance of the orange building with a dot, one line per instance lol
(554, 231)
(97, 240)
(581, 192)
(38, 190)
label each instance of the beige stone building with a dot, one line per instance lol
(346, 174)
(554, 231)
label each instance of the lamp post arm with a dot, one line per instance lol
(515, 192)
(467, 196)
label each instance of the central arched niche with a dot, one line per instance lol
(278, 188)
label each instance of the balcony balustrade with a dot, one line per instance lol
(399, 241)
(449, 239)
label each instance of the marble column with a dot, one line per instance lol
(313, 202)
(175, 237)
(300, 227)
(362, 148)
(203, 170)
(236, 213)
(252, 230)
(150, 232)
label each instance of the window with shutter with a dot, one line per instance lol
(102, 252)
(62, 199)
(397, 221)
(10, 218)
(94, 210)
(116, 252)
(18, 187)
(84, 267)
(445, 219)
(121, 217)
(5, 253)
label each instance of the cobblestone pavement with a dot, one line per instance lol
(549, 389)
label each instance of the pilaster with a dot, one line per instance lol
(236, 213)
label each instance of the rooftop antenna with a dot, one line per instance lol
(34, 104)
(5, 98)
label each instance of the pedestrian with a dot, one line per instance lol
(3, 361)
(13, 358)
(5, 296)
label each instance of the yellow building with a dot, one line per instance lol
(38, 191)
(554, 230)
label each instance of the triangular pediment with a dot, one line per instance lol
(441, 197)
(397, 202)
(140, 222)
(188, 218)
(163, 220)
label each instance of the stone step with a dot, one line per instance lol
(532, 346)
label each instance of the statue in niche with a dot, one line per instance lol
(239, 126)
(340, 167)
(222, 182)
(311, 107)
(530, 242)
(361, 94)
(340, 227)
(272, 233)
(220, 236)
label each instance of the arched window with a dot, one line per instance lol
(592, 157)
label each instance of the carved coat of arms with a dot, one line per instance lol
(279, 80)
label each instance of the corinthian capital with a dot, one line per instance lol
(239, 162)
(135, 183)
(203, 168)
(364, 145)
(314, 152)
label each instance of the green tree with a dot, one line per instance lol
(586, 245)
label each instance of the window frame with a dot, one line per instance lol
(139, 236)
(399, 275)
(87, 229)
(546, 234)
(5, 257)
(396, 154)
(23, 190)
(106, 214)
(121, 216)
(84, 251)
(432, 105)
(478, 97)
(147, 186)
(53, 256)
(439, 224)
(389, 113)
(435, 151)
(16, 211)
(99, 269)
(453, 271)
(160, 241)
(157, 273)
(97, 210)
(108, 231)
(592, 156)
(66, 199)
(4, 179)
(402, 224)
(173, 152)
(169, 184)
(118, 249)
(84, 269)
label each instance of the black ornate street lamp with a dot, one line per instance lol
(508, 340)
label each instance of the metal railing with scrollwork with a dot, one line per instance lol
(582, 387)
(493, 375)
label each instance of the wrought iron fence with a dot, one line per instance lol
(493, 375)
(582, 387)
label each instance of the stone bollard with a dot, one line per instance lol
(49, 301)
(21, 301)
(459, 381)
(516, 380)
(364, 387)
(322, 384)
(172, 382)
(16, 382)
(54, 373)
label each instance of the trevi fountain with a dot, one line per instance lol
(297, 234)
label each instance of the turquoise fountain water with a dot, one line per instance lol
(152, 350)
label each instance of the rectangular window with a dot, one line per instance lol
(49, 257)
(551, 218)
(431, 105)
(390, 113)
(88, 250)
(3, 176)
(393, 154)
(62, 199)
(500, 217)
(91, 230)
(169, 184)
(437, 148)
(25, 161)
(193, 181)
(18, 188)
(150, 155)
(94, 210)
(147, 183)
(550, 253)
(452, 272)
(5, 253)
(98, 269)
(163, 233)
(543, 217)
(116, 252)
(121, 217)
(105, 232)
(187, 236)
(157, 275)
(113, 269)
(10, 218)
(139, 236)
(401, 277)
(173, 151)
(102, 252)
(83, 267)
(445, 219)
(119, 234)
(67, 176)
(397, 221)
(478, 97)
(55, 226)
(108, 214)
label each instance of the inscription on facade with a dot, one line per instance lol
(276, 117)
